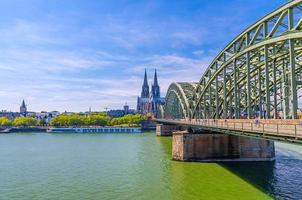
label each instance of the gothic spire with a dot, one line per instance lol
(145, 78)
(155, 87)
(145, 87)
(155, 83)
(23, 104)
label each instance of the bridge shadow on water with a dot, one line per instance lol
(280, 179)
(259, 174)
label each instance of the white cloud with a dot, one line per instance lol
(199, 53)
(55, 69)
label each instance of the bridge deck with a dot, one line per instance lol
(288, 130)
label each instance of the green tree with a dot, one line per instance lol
(25, 121)
(4, 121)
(96, 119)
(99, 120)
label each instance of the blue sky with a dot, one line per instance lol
(75, 54)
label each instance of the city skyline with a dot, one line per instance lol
(73, 55)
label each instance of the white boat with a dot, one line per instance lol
(96, 130)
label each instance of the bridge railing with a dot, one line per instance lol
(281, 128)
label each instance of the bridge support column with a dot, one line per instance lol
(166, 130)
(220, 147)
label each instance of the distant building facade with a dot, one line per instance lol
(120, 113)
(45, 116)
(149, 103)
(126, 108)
(10, 115)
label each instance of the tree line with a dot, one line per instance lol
(19, 121)
(99, 119)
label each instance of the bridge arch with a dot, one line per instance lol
(178, 100)
(258, 73)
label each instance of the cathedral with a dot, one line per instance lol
(149, 103)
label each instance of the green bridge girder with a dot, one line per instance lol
(179, 100)
(259, 73)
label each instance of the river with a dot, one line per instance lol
(124, 166)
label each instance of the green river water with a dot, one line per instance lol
(124, 166)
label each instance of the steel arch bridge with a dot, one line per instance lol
(259, 73)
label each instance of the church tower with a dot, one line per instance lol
(156, 99)
(23, 108)
(145, 87)
(155, 87)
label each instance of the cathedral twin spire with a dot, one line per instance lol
(155, 87)
(145, 87)
(150, 103)
(155, 91)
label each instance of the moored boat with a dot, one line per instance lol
(95, 130)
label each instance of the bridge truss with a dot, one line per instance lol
(259, 73)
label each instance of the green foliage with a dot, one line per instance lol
(4, 121)
(25, 121)
(42, 122)
(129, 120)
(96, 119)
(80, 120)
(67, 120)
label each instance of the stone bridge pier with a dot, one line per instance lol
(167, 129)
(215, 147)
